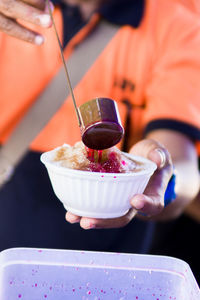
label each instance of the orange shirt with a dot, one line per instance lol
(155, 68)
(193, 5)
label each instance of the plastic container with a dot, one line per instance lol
(39, 274)
(94, 194)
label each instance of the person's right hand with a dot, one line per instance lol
(31, 11)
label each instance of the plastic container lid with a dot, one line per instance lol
(39, 274)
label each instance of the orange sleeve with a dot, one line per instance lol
(173, 89)
(193, 5)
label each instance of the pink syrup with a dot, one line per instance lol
(112, 165)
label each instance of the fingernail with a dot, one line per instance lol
(162, 157)
(73, 220)
(138, 204)
(45, 20)
(39, 40)
(88, 224)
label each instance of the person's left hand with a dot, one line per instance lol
(151, 203)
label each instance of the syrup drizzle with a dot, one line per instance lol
(92, 154)
(111, 165)
(99, 155)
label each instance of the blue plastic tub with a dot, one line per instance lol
(39, 274)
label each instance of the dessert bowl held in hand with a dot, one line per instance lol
(97, 184)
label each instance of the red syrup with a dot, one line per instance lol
(111, 165)
(90, 154)
(99, 155)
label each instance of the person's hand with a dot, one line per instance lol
(151, 203)
(12, 12)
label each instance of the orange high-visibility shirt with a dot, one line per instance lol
(193, 5)
(152, 71)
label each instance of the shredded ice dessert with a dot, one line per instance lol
(111, 160)
(96, 184)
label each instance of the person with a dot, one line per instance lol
(151, 67)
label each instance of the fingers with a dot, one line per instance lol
(152, 150)
(91, 223)
(148, 206)
(19, 10)
(31, 11)
(151, 203)
(11, 27)
(71, 218)
(40, 4)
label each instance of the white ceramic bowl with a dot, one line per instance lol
(94, 194)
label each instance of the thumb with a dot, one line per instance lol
(160, 156)
(152, 201)
(152, 150)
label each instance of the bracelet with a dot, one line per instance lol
(170, 194)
